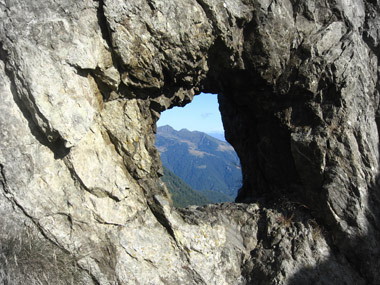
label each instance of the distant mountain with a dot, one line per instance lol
(203, 162)
(216, 197)
(181, 193)
(218, 135)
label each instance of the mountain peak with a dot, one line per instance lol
(165, 129)
(186, 153)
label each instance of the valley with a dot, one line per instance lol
(206, 165)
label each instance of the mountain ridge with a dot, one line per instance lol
(202, 161)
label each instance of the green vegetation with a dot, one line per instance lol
(199, 169)
(203, 162)
(216, 197)
(182, 194)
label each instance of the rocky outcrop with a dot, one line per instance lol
(82, 86)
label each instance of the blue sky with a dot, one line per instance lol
(202, 114)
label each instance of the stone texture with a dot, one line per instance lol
(83, 83)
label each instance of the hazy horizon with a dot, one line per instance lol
(218, 135)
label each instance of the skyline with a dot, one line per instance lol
(202, 114)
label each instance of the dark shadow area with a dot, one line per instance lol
(269, 173)
(255, 121)
(352, 261)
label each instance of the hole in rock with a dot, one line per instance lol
(200, 167)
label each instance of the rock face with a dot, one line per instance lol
(82, 84)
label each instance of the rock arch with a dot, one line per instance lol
(83, 84)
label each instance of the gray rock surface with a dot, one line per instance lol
(82, 84)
